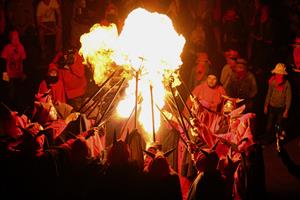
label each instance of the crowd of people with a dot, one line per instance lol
(239, 54)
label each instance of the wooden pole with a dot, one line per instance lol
(184, 103)
(112, 101)
(136, 97)
(169, 122)
(152, 111)
(180, 114)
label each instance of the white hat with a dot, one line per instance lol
(279, 69)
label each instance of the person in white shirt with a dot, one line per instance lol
(49, 23)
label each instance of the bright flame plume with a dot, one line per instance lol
(97, 49)
(148, 44)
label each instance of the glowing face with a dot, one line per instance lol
(228, 107)
(212, 81)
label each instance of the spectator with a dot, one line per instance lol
(111, 16)
(67, 7)
(197, 39)
(20, 16)
(278, 99)
(232, 28)
(85, 14)
(243, 84)
(14, 54)
(49, 25)
(227, 71)
(210, 92)
(202, 64)
(202, 12)
(262, 40)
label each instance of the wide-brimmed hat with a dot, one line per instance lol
(280, 68)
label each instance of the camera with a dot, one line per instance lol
(67, 58)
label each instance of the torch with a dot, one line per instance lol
(180, 114)
(152, 112)
(173, 127)
(184, 103)
(112, 101)
(136, 97)
(186, 87)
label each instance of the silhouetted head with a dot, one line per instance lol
(32, 140)
(79, 150)
(228, 165)
(119, 152)
(159, 166)
(207, 160)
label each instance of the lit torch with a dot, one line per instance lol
(148, 49)
(152, 37)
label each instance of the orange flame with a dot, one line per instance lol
(97, 49)
(148, 44)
